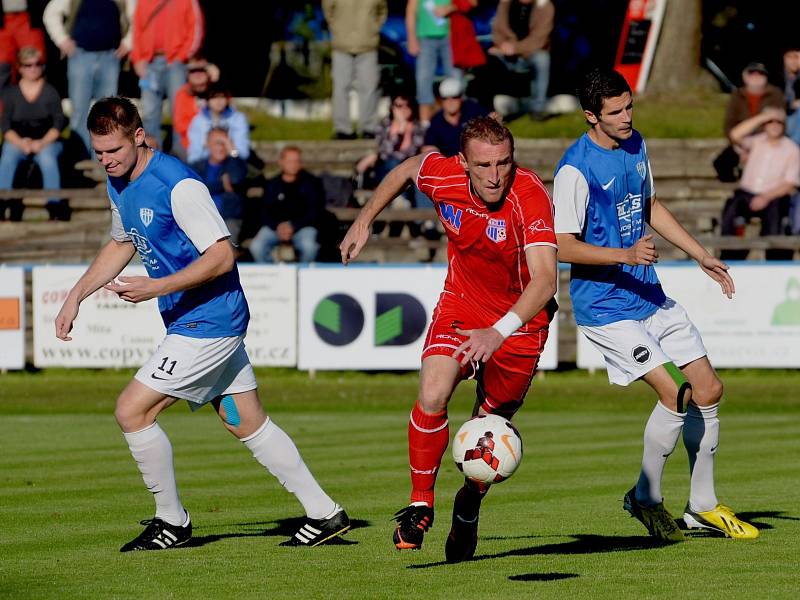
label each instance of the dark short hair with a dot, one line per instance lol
(290, 148)
(112, 114)
(598, 85)
(487, 129)
(218, 129)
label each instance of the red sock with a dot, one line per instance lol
(428, 436)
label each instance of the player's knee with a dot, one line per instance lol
(432, 399)
(128, 418)
(709, 394)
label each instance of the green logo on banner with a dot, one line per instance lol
(388, 325)
(329, 315)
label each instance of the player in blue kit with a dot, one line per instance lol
(161, 209)
(604, 201)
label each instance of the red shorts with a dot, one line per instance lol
(505, 378)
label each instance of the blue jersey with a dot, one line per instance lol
(168, 215)
(603, 196)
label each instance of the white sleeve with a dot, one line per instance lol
(196, 213)
(117, 229)
(53, 18)
(570, 199)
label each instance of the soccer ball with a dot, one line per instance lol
(487, 449)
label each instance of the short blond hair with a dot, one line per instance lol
(28, 53)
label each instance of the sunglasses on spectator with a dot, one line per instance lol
(197, 70)
(29, 65)
(773, 121)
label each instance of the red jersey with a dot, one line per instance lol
(487, 268)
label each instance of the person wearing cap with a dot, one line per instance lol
(752, 97)
(444, 133)
(94, 36)
(192, 97)
(770, 176)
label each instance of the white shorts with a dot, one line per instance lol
(199, 369)
(634, 348)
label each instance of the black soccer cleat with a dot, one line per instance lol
(314, 532)
(463, 537)
(160, 535)
(412, 523)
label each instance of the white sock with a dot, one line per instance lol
(701, 437)
(152, 451)
(660, 436)
(276, 451)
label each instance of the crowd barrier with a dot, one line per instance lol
(367, 317)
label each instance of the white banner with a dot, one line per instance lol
(760, 327)
(373, 317)
(271, 292)
(110, 332)
(12, 318)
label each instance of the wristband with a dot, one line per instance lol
(508, 324)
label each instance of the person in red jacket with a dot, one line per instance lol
(192, 96)
(165, 34)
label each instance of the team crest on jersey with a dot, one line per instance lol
(146, 215)
(451, 216)
(496, 230)
(641, 168)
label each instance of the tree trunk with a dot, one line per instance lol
(676, 64)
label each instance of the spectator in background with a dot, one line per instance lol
(219, 112)
(444, 133)
(165, 34)
(224, 173)
(94, 36)
(192, 97)
(467, 51)
(428, 31)
(32, 121)
(770, 176)
(399, 136)
(521, 36)
(355, 34)
(752, 97)
(791, 87)
(19, 28)
(292, 203)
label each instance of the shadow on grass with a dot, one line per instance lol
(284, 528)
(542, 576)
(580, 544)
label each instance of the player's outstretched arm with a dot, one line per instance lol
(667, 226)
(108, 263)
(572, 250)
(482, 343)
(394, 184)
(217, 260)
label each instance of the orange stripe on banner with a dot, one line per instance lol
(9, 313)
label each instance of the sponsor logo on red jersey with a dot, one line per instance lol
(451, 216)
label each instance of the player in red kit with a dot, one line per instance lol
(492, 317)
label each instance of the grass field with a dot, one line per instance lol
(687, 116)
(71, 495)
